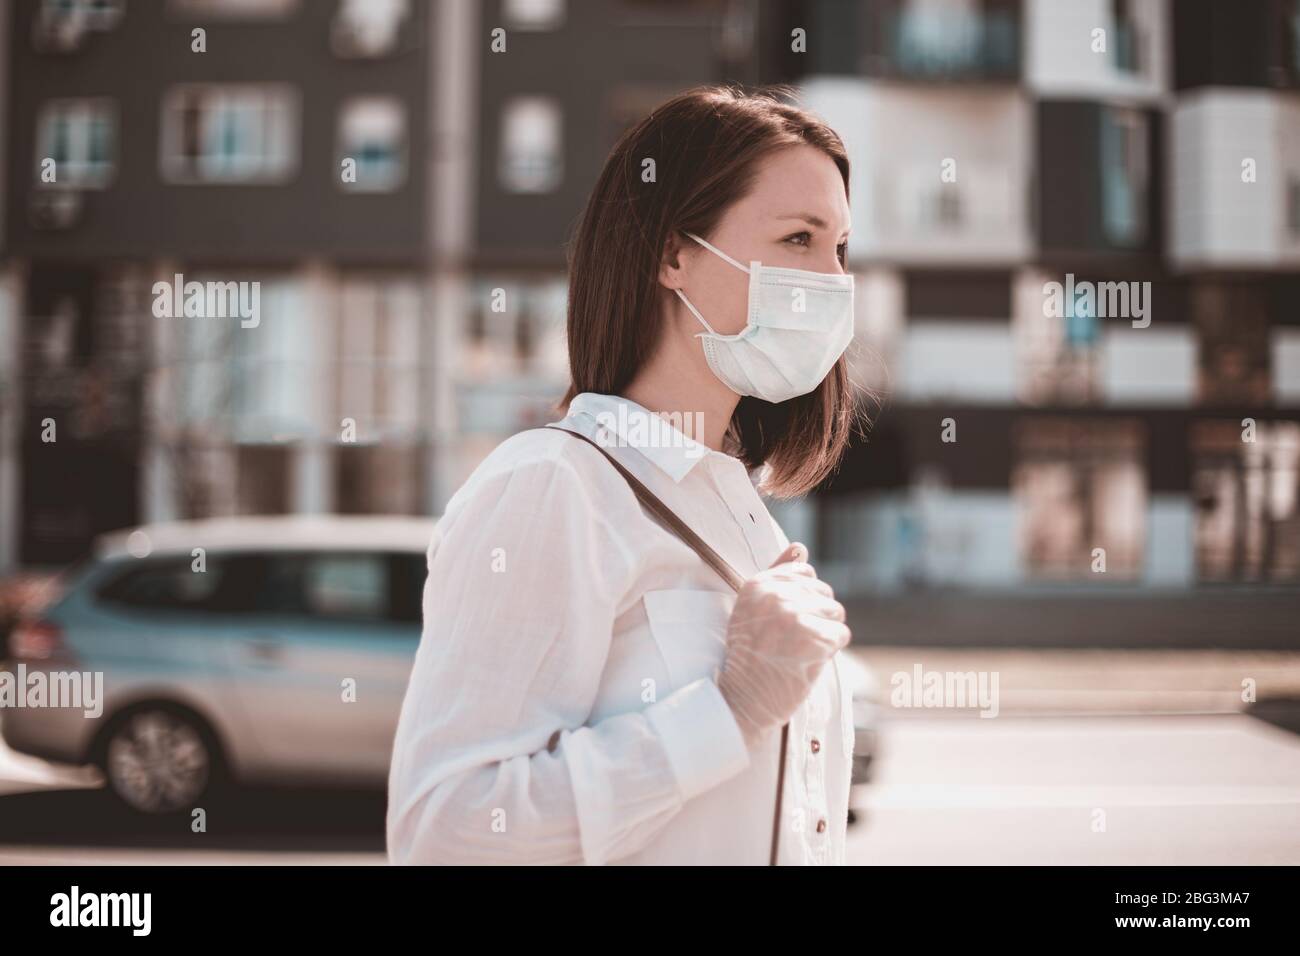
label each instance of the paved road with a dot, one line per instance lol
(1179, 790)
(950, 787)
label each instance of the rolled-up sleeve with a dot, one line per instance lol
(493, 760)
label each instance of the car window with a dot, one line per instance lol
(167, 584)
(342, 585)
(346, 585)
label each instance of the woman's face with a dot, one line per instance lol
(795, 216)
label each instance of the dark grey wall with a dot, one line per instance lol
(1243, 43)
(624, 45)
(140, 215)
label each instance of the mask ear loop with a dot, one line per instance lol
(717, 252)
(717, 335)
(695, 312)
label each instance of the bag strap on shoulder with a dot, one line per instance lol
(665, 514)
(718, 563)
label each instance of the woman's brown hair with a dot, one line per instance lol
(706, 144)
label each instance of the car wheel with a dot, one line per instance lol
(159, 760)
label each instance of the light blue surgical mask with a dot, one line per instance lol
(798, 325)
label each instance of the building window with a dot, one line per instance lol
(1124, 175)
(515, 328)
(234, 399)
(368, 28)
(1127, 38)
(1233, 343)
(1059, 355)
(531, 158)
(948, 38)
(100, 14)
(936, 36)
(533, 14)
(230, 134)
(379, 358)
(232, 9)
(251, 383)
(495, 320)
(1247, 522)
(80, 136)
(1081, 486)
(62, 26)
(372, 133)
(513, 354)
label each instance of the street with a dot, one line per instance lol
(1095, 790)
(1185, 790)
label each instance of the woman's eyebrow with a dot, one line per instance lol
(807, 217)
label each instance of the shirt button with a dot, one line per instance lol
(816, 745)
(821, 825)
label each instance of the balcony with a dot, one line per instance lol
(949, 44)
(1235, 170)
(916, 40)
(917, 199)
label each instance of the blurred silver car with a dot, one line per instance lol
(267, 649)
(251, 650)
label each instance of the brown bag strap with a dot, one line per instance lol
(717, 562)
(669, 517)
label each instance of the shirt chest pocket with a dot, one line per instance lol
(690, 630)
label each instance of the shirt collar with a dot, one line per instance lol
(657, 437)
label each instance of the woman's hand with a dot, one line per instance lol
(784, 627)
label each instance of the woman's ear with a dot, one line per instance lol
(671, 271)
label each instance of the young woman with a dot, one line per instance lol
(587, 688)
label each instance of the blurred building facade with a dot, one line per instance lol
(1092, 142)
(197, 141)
(999, 146)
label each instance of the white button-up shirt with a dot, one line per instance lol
(563, 706)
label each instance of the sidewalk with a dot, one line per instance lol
(1058, 681)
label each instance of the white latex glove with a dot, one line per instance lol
(785, 626)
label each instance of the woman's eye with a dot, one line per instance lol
(842, 251)
(800, 238)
